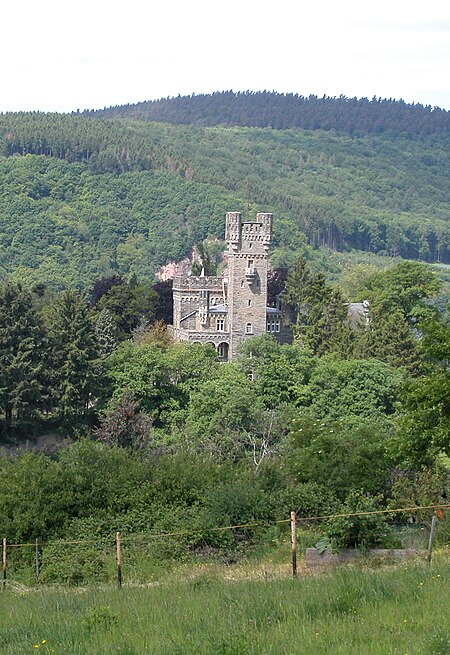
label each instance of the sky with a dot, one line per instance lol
(62, 56)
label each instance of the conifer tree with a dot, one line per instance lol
(321, 316)
(75, 355)
(22, 354)
(390, 339)
(105, 333)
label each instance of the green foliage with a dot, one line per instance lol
(425, 423)
(418, 489)
(161, 378)
(23, 349)
(210, 253)
(342, 457)
(105, 333)
(389, 338)
(355, 116)
(74, 357)
(84, 198)
(404, 287)
(222, 412)
(100, 617)
(127, 304)
(365, 531)
(321, 321)
(338, 389)
(35, 499)
(277, 371)
(74, 564)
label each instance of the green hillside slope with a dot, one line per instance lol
(356, 116)
(80, 197)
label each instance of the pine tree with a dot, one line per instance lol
(390, 339)
(105, 333)
(22, 354)
(321, 316)
(75, 357)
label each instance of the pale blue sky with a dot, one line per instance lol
(58, 56)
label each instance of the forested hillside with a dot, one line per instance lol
(282, 111)
(83, 197)
(345, 420)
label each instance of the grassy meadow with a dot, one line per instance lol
(384, 610)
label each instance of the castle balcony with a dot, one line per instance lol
(250, 274)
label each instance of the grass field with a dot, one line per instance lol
(395, 610)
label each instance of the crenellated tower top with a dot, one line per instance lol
(240, 234)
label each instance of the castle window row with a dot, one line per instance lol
(273, 326)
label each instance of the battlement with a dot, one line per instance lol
(259, 230)
(182, 282)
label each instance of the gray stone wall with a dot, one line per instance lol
(248, 245)
(243, 290)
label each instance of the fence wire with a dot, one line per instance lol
(51, 554)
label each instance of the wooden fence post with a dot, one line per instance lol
(119, 560)
(36, 559)
(294, 542)
(430, 541)
(4, 565)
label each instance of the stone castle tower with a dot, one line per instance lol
(248, 245)
(225, 311)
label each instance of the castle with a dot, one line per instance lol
(225, 311)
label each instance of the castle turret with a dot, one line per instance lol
(248, 245)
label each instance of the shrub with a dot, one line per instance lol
(73, 564)
(355, 530)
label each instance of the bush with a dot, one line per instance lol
(73, 564)
(354, 530)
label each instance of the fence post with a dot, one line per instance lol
(4, 565)
(36, 559)
(119, 560)
(294, 542)
(430, 541)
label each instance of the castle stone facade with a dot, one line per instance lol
(227, 310)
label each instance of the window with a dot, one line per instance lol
(250, 263)
(249, 302)
(249, 328)
(242, 283)
(220, 324)
(222, 351)
(273, 326)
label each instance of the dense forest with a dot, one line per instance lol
(346, 419)
(281, 111)
(85, 197)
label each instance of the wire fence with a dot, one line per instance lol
(102, 558)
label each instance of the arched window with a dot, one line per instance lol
(249, 328)
(222, 351)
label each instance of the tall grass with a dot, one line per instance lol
(386, 611)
